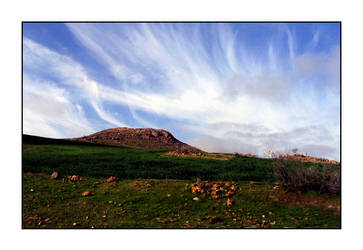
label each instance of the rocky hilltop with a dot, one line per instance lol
(147, 138)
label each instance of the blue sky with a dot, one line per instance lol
(223, 87)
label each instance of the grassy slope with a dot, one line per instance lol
(127, 163)
(150, 207)
(51, 204)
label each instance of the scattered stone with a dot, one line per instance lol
(74, 178)
(187, 152)
(111, 179)
(213, 220)
(54, 175)
(87, 193)
(136, 184)
(307, 158)
(195, 199)
(230, 193)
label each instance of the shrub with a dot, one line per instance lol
(296, 176)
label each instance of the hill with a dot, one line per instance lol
(142, 138)
(151, 189)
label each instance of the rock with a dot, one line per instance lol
(230, 193)
(214, 219)
(54, 175)
(195, 199)
(87, 193)
(111, 179)
(74, 178)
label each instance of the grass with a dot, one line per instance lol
(168, 204)
(127, 163)
(258, 203)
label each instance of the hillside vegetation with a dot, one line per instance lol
(153, 189)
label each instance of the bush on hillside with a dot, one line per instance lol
(295, 176)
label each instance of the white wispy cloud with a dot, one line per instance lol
(48, 111)
(39, 60)
(171, 71)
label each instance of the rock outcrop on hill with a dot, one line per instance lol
(147, 138)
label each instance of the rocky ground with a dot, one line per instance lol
(307, 158)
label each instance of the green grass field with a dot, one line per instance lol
(163, 198)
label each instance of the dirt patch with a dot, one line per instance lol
(185, 152)
(307, 158)
(298, 199)
(188, 153)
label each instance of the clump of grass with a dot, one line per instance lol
(296, 176)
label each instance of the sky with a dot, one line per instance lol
(222, 87)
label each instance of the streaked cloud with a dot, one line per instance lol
(231, 91)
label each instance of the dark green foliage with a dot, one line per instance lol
(297, 176)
